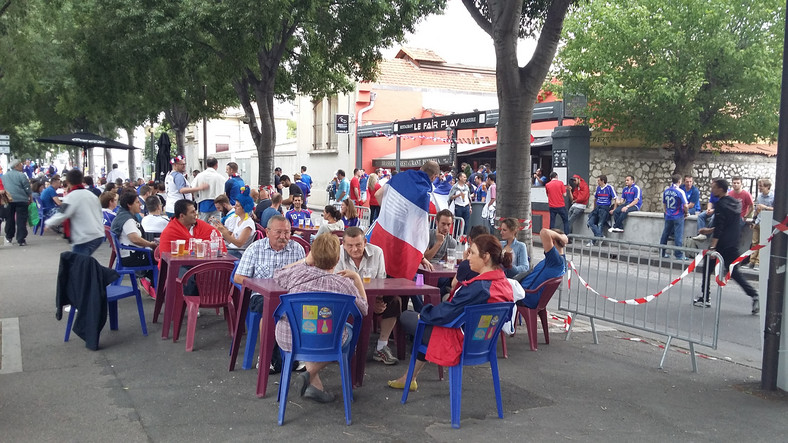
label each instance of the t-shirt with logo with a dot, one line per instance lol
(604, 195)
(675, 201)
(630, 193)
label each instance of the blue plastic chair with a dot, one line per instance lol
(252, 323)
(39, 228)
(132, 270)
(317, 321)
(482, 324)
(115, 292)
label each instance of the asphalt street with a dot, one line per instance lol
(138, 388)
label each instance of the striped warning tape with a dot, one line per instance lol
(721, 280)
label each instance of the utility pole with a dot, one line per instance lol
(775, 294)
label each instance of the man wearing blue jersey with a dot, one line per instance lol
(693, 195)
(675, 202)
(631, 201)
(604, 199)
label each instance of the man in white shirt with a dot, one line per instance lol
(83, 209)
(367, 260)
(215, 181)
(176, 185)
(115, 174)
(155, 221)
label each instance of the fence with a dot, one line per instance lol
(632, 285)
(459, 226)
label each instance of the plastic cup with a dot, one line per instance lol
(191, 245)
(366, 276)
(419, 279)
(174, 247)
(214, 249)
(181, 247)
(199, 249)
(451, 254)
(301, 223)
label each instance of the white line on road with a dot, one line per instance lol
(12, 346)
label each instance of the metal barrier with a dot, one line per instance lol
(637, 287)
(363, 217)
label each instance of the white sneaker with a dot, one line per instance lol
(699, 237)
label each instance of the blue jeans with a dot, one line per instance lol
(619, 216)
(554, 213)
(676, 227)
(597, 219)
(464, 212)
(705, 219)
(87, 248)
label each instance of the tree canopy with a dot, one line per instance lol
(679, 74)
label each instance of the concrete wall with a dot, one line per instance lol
(652, 168)
(646, 227)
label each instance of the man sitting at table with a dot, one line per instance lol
(553, 265)
(265, 256)
(440, 238)
(367, 259)
(299, 213)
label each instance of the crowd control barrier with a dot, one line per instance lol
(634, 285)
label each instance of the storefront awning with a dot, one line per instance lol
(415, 157)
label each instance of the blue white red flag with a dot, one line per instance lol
(402, 229)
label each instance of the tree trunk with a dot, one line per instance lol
(264, 135)
(107, 161)
(179, 119)
(517, 91)
(131, 153)
(91, 166)
(684, 158)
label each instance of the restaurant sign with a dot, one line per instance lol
(342, 124)
(471, 120)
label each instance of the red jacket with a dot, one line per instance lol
(445, 346)
(581, 192)
(176, 231)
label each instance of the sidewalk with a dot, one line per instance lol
(145, 389)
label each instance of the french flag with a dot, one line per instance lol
(402, 229)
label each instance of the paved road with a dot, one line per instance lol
(144, 389)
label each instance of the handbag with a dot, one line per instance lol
(32, 214)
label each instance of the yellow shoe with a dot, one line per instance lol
(396, 384)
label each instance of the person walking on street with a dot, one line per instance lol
(461, 195)
(725, 236)
(556, 191)
(82, 207)
(17, 186)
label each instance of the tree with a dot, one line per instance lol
(679, 74)
(518, 87)
(286, 47)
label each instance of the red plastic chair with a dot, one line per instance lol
(215, 289)
(303, 242)
(259, 227)
(259, 235)
(112, 250)
(548, 288)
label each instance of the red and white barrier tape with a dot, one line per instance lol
(722, 281)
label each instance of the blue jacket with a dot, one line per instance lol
(520, 263)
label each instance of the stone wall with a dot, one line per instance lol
(652, 168)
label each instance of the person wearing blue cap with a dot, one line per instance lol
(238, 230)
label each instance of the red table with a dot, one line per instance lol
(165, 291)
(431, 277)
(306, 233)
(271, 291)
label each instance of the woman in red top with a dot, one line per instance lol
(374, 205)
(444, 345)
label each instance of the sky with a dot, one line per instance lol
(458, 39)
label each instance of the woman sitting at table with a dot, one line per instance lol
(314, 273)
(127, 228)
(509, 229)
(333, 221)
(239, 233)
(444, 345)
(349, 214)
